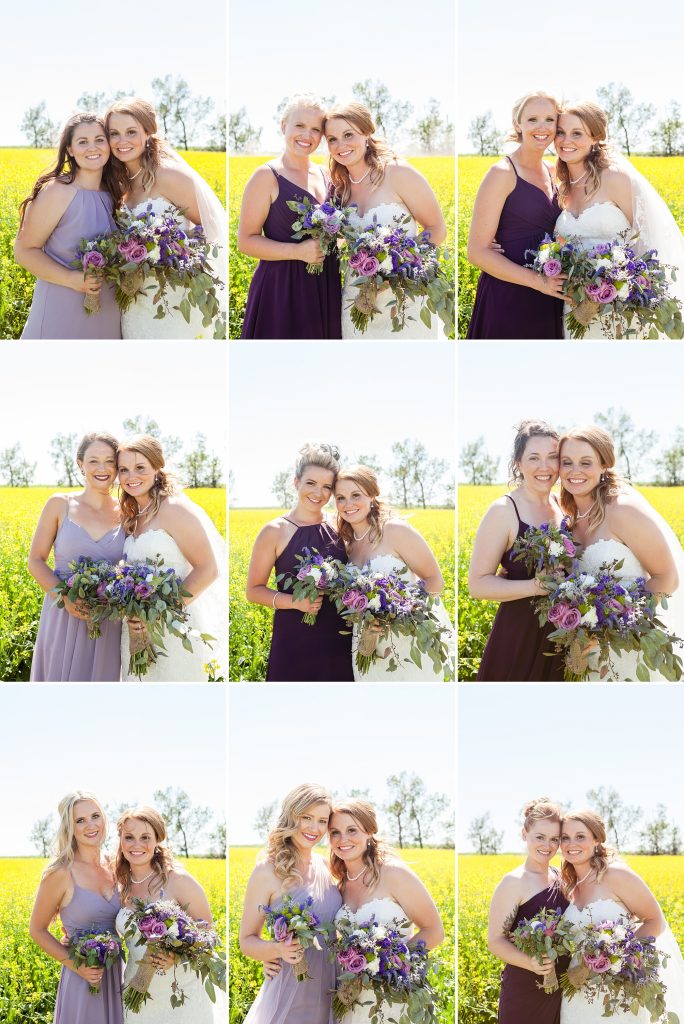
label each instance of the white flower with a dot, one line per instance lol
(623, 291)
(173, 930)
(315, 573)
(619, 255)
(149, 577)
(616, 967)
(555, 548)
(154, 254)
(373, 966)
(374, 603)
(386, 264)
(589, 618)
(380, 932)
(544, 255)
(588, 581)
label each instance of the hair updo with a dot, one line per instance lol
(316, 453)
(540, 809)
(524, 431)
(93, 438)
(301, 100)
(515, 135)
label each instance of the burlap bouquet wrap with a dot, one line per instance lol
(138, 638)
(144, 972)
(368, 641)
(132, 283)
(586, 311)
(92, 303)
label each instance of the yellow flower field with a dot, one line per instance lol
(434, 867)
(666, 174)
(19, 169)
(250, 624)
(479, 971)
(475, 617)
(28, 977)
(20, 596)
(439, 171)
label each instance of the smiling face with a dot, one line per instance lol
(539, 463)
(136, 473)
(537, 124)
(314, 487)
(580, 467)
(302, 130)
(577, 842)
(99, 466)
(89, 824)
(89, 146)
(542, 840)
(346, 143)
(353, 503)
(347, 839)
(138, 842)
(573, 142)
(311, 826)
(126, 137)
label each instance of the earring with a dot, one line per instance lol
(603, 478)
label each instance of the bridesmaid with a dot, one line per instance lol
(516, 205)
(284, 300)
(75, 199)
(80, 887)
(300, 652)
(520, 894)
(83, 525)
(292, 868)
(516, 646)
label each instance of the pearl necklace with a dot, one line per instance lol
(139, 881)
(359, 539)
(353, 180)
(580, 880)
(576, 180)
(143, 510)
(353, 878)
(132, 177)
(583, 515)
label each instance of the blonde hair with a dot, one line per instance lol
(378, 152)
(602, 856)
(595, 120)
(64, 844)
(376, 852)
(609, 484)
(317, 453)
(541, 809)
(379, 512)
(155, 146)
(515, 135)
(280, 850)
(525, 430)
(164, 482)
(162, 860)
(300, 100)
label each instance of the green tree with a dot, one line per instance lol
(620, 818)
(389, 113)
(39, 127)
(416, 474)
(200, 467)
(631, 445)
(141, 425)
(266, 818)
(626, 118)
(483, 835)
(63, 448)
(14, 467)
(484, 135)
(184, 821)
(41, 835)
(429, 129)
(670, 463)
(283, 488)
(479, 466)
(668, 133)
(241, 133)
(654, 835)
(182, 113)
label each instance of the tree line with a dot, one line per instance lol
(199, 467)
(628, 827)
(632, 125)
(411, 814)
(184, 117)
(431, 130)
(633, 448)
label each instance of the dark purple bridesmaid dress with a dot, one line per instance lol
(517, 649)
(284, 300)
(522, 1001)
(503, 310)
(301, 653)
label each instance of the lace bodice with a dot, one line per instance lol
(383, 909)
(602, 551)
(390, 562)
(601, 222)
(388, 214)
(157, 544)
(160, 206)
(595, 912)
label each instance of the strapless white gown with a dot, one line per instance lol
(198, 1007)
(138, 321)
(385, 911)
(179, 665)
(406, 670)
(389, 215)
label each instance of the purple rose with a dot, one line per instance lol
(552, 268)
(592, 291)
(137, 253)
(357, 259)
(280, 928)
(93, 259)
(570, 548)
(599, 963)
(349, 598)
(143, 590)
(607, 292)
(361, 603)
(369, 267)
(152, 929)
(557, 612)
(356, 963)
(303, 572)
(70, 581)
(102, 591)
(125, 247)
(571, 619)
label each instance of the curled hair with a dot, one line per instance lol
(378, 152)
(65, 167)
(595, 120)
(317, 453)
(64, 844)
(155, 146)
(300, 100)
(162, 859)
(602, 855)
(376, 853)
(540, 809)
(515, 135)
(608, 486)
(93, 438)
(280, 850)
(164, 484)
(524, 431)
(379, 513)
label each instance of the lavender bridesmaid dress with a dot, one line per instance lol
(283, 999)
(64, 651)
(284, 300)
(56, 311)
(75, 1004)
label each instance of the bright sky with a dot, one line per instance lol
(506, 50)
(54, 52)
(100, 384)
(345, 737)
(120, 743)
(278, 49)
(362, 397)
(565, 383)
(516, 742)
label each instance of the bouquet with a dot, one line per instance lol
(409, 265)
(296, 920)
(89, 948)
(164, 925)
(323, 221)
(609, 281)
(547, 934)
(547, 550)
(606, 613)
(316, 575)
(402, 608)
(609, 961)
(376, 959)
(99, 257)
(86, 583)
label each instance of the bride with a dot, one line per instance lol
(612, 521)
(373, 537)
(160, 522)
(153, 174)
(600, 887)
(603, 195)
(373, 883)
(366, 173)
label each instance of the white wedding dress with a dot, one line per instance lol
(198, 1007)
(406, 670)
(385, 911)
(579, 1010)
(389, 215)
(139, 322)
